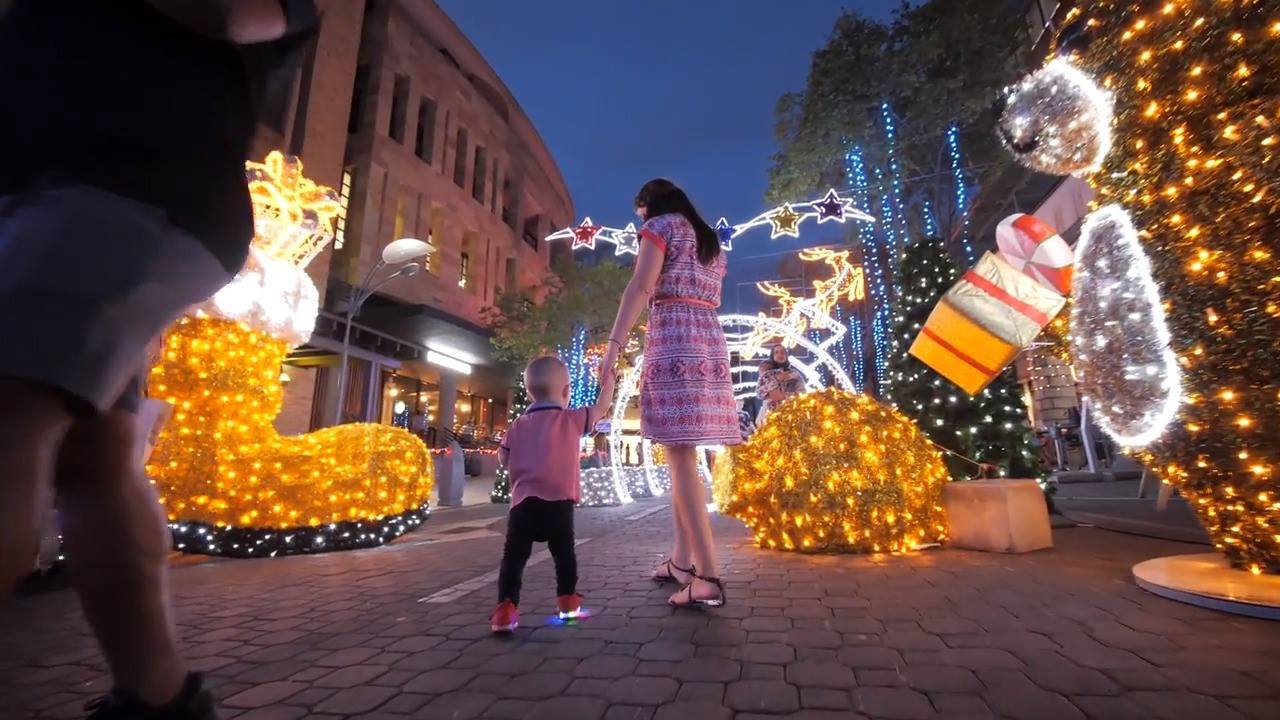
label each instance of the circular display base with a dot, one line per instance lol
(1207, 580)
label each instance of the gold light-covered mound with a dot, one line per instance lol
(220, 460)
(722, 477)
(836, 472)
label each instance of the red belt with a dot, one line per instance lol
(685, 301)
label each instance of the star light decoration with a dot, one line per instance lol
(784, 220)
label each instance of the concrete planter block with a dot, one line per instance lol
(1007, 516)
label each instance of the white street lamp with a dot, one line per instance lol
(400, 252)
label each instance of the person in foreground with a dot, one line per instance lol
(124, 128)
(540, 451)
(686, 391)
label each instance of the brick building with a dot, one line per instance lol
(396, 109)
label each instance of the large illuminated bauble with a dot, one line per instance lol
(1119, 337)
(1057, 120)
(219, 460)
(832, 471)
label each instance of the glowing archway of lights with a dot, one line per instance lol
(738, 341)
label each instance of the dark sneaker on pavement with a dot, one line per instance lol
(192, 703)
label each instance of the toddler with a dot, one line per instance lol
(540, 452)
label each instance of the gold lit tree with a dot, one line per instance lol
(1188, 189)
(229, 482)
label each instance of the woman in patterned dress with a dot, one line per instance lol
(686, 392)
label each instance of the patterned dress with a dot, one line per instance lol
(686, 390)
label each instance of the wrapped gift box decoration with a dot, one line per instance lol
(960, 349)
(1004, 301)
(1033, 247)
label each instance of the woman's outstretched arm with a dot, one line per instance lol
(635, 297)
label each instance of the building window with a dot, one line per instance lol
(531, 230)
(358, 90)
(397, 230)
(344, 201)
(510, 206)
(478, 174)
(460, 159)
(464, 269)
(399, 108)
(493, 199)
(425, 144)
(435, 231)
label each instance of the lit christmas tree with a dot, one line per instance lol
(990, 427)
(501, 492)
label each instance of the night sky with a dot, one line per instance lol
(623, 92)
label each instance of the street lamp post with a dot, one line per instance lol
(401, 252)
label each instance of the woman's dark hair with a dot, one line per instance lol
(663, 197)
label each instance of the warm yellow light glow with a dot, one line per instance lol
(846, 283)
(1195, 168)
(293, 216)
(220, 460)
(834, 471)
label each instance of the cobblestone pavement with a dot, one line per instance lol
(944, 633)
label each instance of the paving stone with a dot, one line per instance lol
(707, 670)
(642, 690)
(884, 678)
(980, 658)
(912, 640)
(606, 666)
(766, 624)
(769, 653)
(440, 680)
(405, 702)
(655, 667)
(356, 700)
(692, 710)
(347, 656)
(512, 664)
(957, 705)
(1052, 672)
(1106, 707)
(265, 694)
(535, 686)
(941, 678)
(427, 660)
(597, 687)
(628, 712)
(820, 674)
(458, 706)
(1257, 708)
(883, 702)
(824, 698)
(708, 692)
(813, 637)
(509, 710)
(275, 712)
(1013, 695)
(561, 708)
(757, 671)
(353, 676)
(870, 657)
(1176, 704)
(665, 651)
(1219, 682)
(762, 696)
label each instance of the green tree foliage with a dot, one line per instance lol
(936, 63)
(990, 427)
(571, 294)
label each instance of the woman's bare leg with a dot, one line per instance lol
(688, 494)
(680, 555)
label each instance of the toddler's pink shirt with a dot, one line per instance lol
(542, 446)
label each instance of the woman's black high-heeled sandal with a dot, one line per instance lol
(690, 601)
(670, 577)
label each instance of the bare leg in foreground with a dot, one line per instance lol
(689, 500)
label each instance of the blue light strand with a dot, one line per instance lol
(898, 240)
(581, 386)
(856, 172)
(962, 190)
(853, 341)
(930, 222)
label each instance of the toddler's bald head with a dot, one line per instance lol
(547, 379)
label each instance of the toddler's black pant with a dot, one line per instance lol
(538, 520)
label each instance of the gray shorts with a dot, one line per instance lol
(87, 280)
